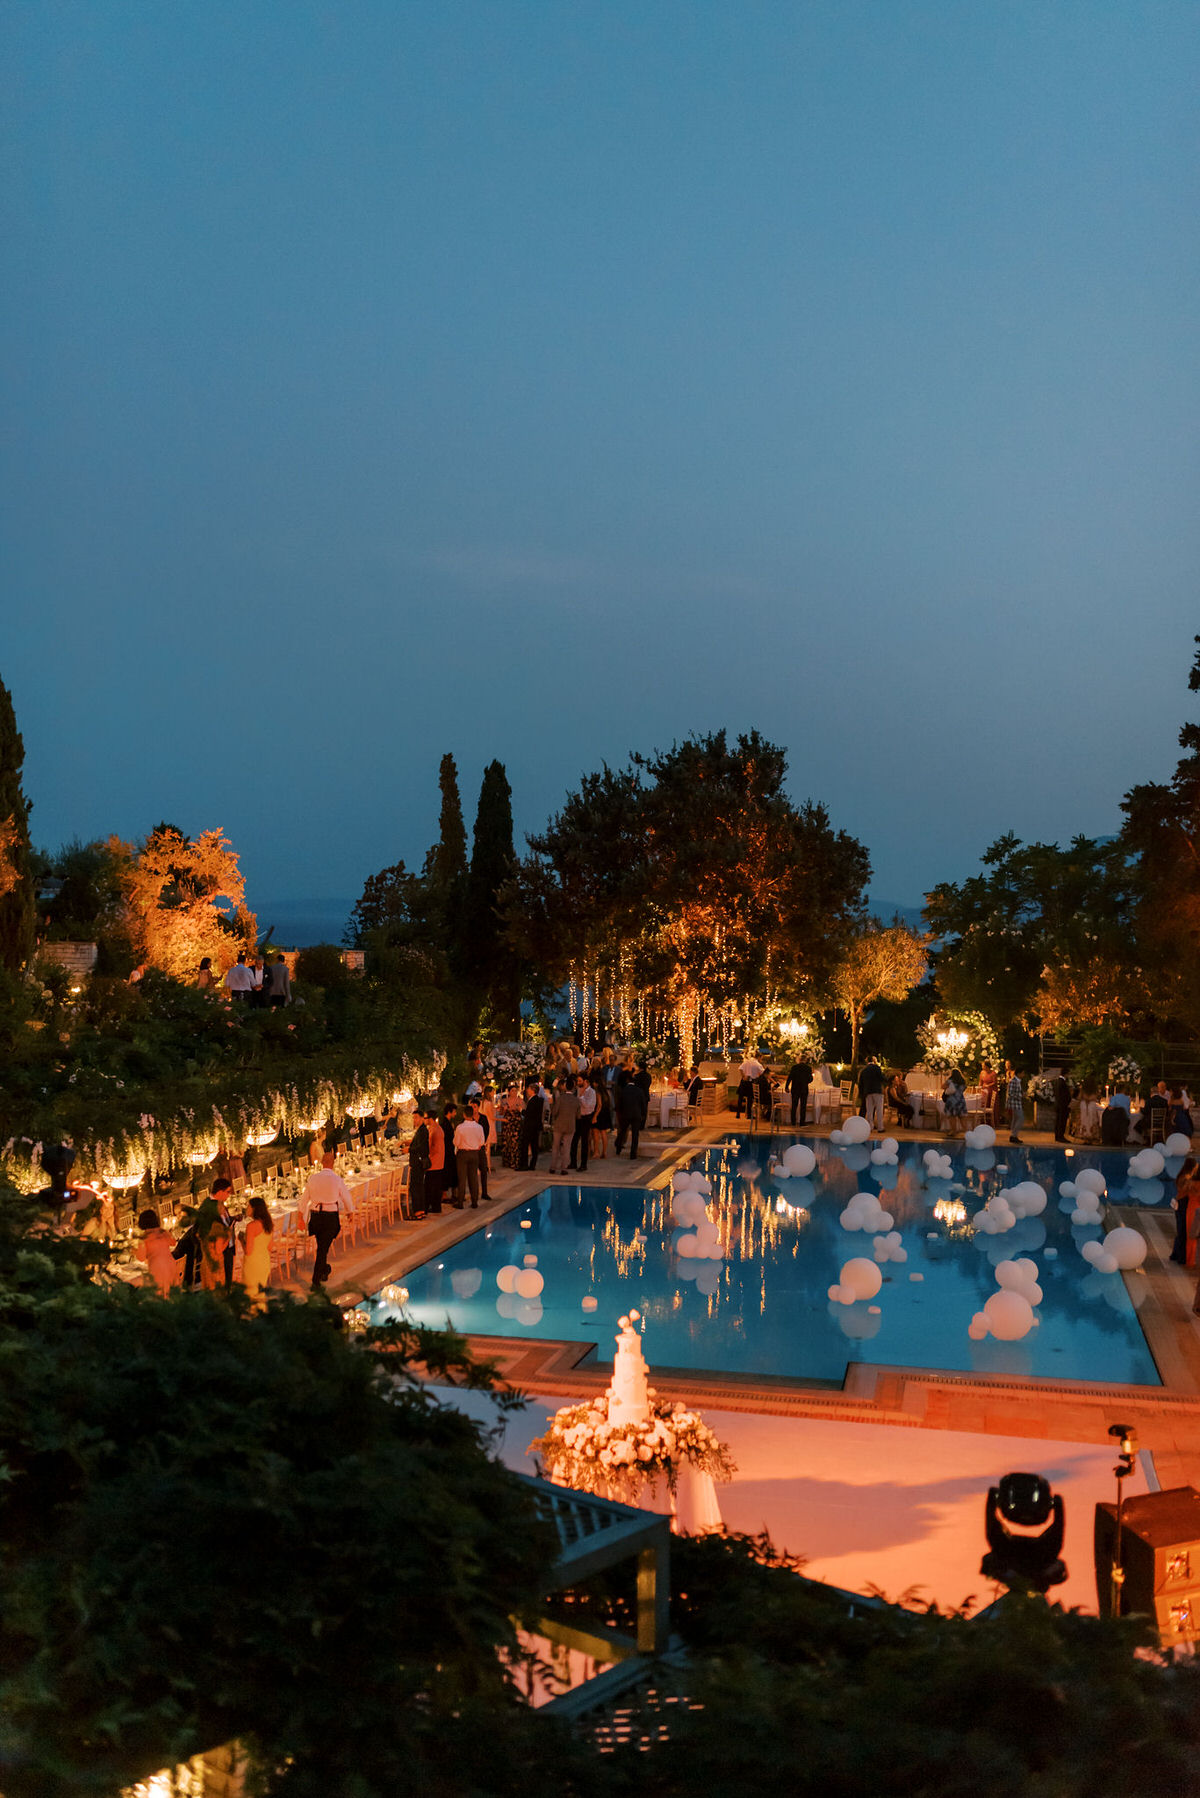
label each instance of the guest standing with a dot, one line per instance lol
(750, 1071)
(279, 983)
(1014, 1099)
(989, 1087)
(157, 1250)
(1062, 1105)
(469, 1140)
(564, 1115)
(326, 1196)
(632, 1106)
(1183, 1181)
(239, 982)
(449, 1124)
(256, 1251)
(531, 1126)
(602, 1117)
(583, 1124)
(799, 1080)
(435, 1178)
(870, 1093)
(511, 1114)
(418, 1167)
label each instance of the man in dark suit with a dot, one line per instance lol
(798, 1082)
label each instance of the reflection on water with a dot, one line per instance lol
(762, 1306)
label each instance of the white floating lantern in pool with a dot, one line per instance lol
(588, 1302)
(506, 1279)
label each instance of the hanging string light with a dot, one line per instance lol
(573, 999)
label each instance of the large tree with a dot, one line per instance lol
(690, 880)
(173, 888)
(488, 958)
(1028, 929)
(446, 865)
(879, 962)
(1161, 834)
(214, 1524)
(17, 910)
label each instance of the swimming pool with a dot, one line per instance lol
(764, 1308)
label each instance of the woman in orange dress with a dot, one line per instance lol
(988, 1086)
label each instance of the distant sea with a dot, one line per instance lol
(301, 922)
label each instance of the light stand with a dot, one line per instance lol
(1127, 1437)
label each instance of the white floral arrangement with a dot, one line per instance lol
(1123, 1070)
(511, 1064)
(982, 1043)
(1043, 1086)
(582, 1449)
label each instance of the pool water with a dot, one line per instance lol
(764, 1308)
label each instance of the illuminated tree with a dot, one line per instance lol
(17, 914)
(689, 882)
(1162, 834)
(173, 888)
(1033, 915)
(879, 962)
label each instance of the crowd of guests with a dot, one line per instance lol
(256, 981)
(580, 1107)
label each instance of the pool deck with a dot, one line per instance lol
(1167, 1418)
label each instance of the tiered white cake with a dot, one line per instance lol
(628, 1392)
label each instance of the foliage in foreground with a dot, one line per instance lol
(217, 1525)
(787, 1691)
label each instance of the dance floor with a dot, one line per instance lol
(874, 1505)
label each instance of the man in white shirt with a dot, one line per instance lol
(752, 1070)
(469, 1139)
(326, 1196)
(583, 1125)
(239, 981)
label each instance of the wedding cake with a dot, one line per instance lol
(628, 1392)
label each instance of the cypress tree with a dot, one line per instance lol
(18, 914)
(489, 962)
(446, 866)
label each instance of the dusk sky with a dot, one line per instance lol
(546, 381)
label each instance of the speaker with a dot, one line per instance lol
(1160, 1552)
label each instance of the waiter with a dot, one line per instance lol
(326, 1196)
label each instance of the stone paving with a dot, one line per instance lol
(1167, 1419)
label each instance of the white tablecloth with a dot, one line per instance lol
(663, 1106)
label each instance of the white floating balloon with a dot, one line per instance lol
(884, 1157)
(1177, 1144)
(1126, 1246)
(687, 1247)
(686, 1181)
(890, 1247)
(1007, 1316)
(1027, 1199)
(861, 1277)
(1020, 1276)
(1098, 1255)
(799, 1160)
(855, 1130)
(529, 1283)
(864, 1212)
(1090, 1177)
(981, 1137)
(996, 1217)
(1147, 1164)
(506, 1279)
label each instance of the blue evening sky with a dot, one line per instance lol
(545, 381)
